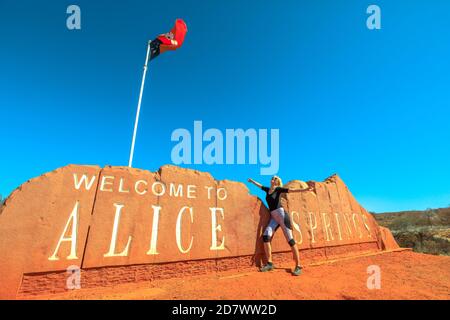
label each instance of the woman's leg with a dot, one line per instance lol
(296, 255)
(289, 235)
(267, 237)
(268, 251)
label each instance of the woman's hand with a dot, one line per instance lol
(300, 190)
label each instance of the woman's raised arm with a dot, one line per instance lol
(259, 185)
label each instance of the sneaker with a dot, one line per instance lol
(267, 267)
(297, 271)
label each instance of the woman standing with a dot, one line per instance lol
(279, 217)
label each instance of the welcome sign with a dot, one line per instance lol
(94, 218)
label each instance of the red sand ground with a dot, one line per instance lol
(404, 275)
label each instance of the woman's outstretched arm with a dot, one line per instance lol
(259, 185)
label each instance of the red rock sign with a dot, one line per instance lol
(92, 218)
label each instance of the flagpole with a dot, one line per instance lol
(139, 107)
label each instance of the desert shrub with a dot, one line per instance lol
(407, 239)
(423, 241)
(436, 246)
(401, 223)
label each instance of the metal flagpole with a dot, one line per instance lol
(139, 107)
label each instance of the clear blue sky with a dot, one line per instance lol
(373, 106)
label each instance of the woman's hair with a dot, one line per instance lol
(280, 182)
